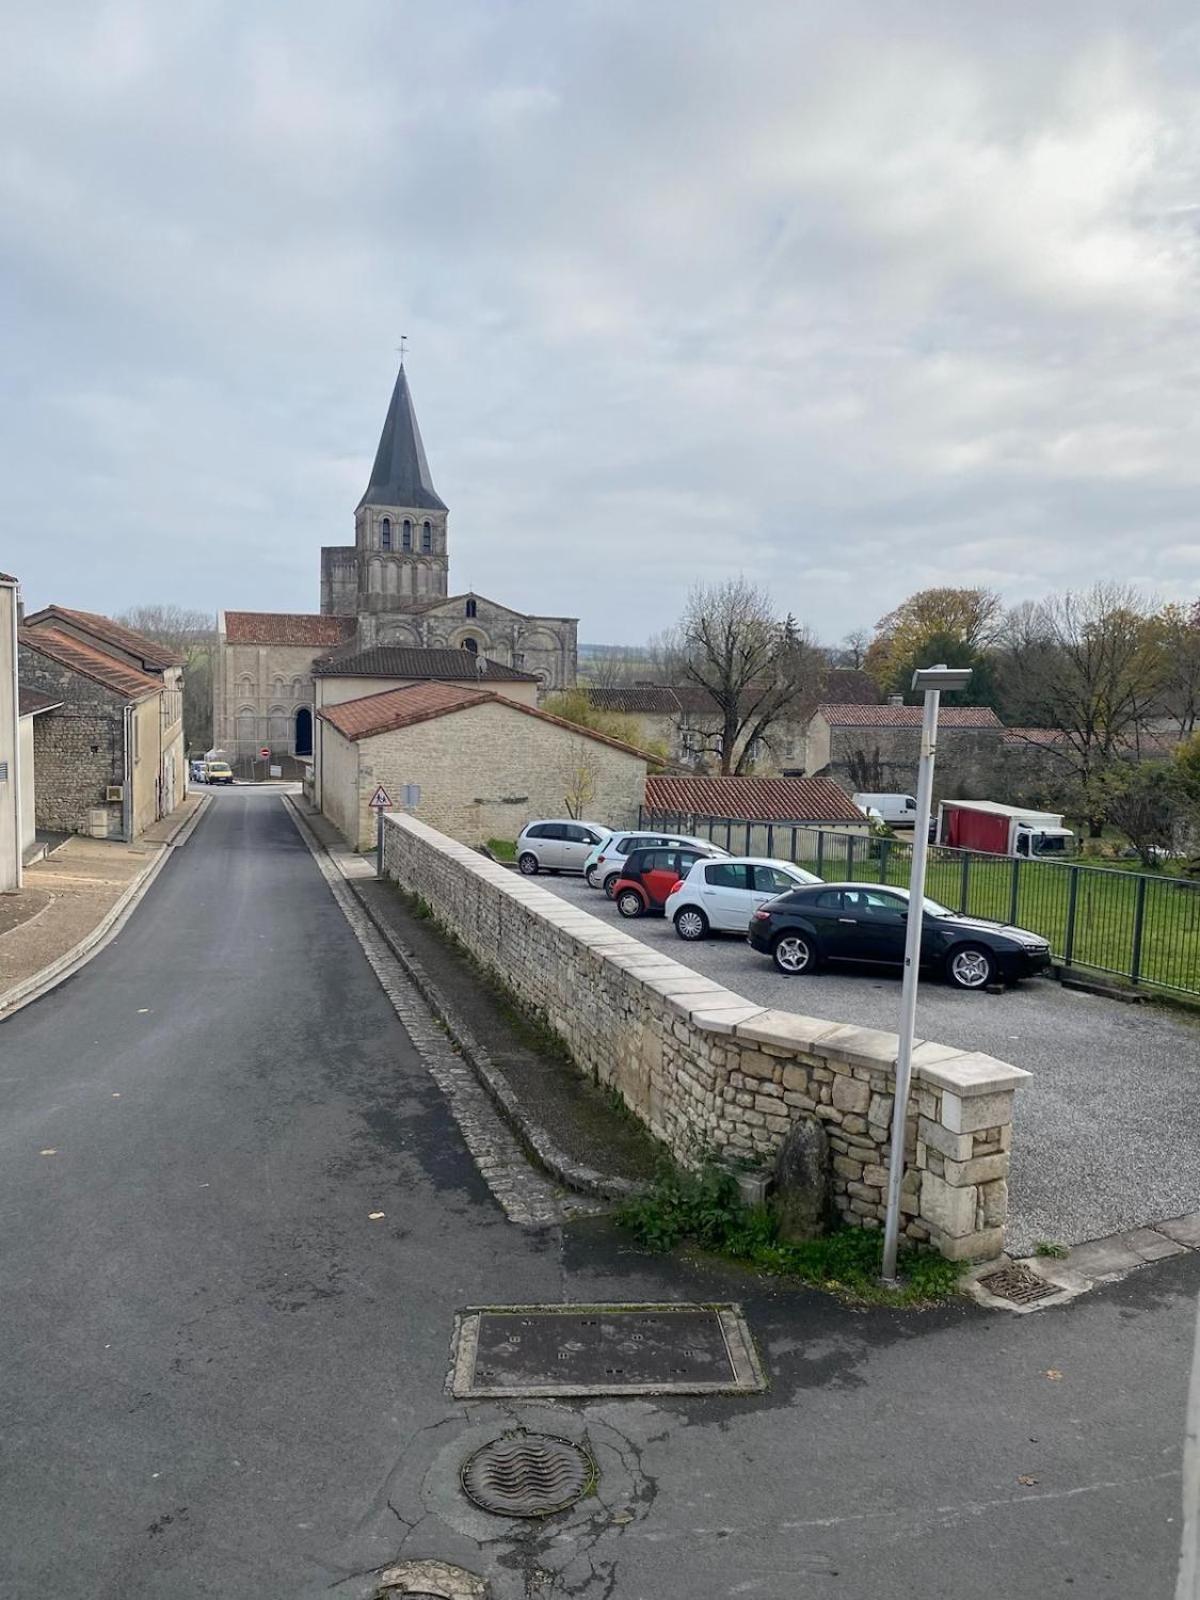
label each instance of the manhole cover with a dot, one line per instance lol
(528, 1475)
(590, 1350)
(1018, 1284)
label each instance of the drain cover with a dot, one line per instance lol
(1018, 1284)
(528, 1475)
(587, 1350)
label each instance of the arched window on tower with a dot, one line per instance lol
(385, 534)
(471, 606)
(406, 535)
(427, 537)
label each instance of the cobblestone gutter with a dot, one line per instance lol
(704, 1068)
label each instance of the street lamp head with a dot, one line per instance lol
(941, 677)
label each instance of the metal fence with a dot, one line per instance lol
(1137, 925)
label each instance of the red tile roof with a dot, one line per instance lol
(421, 702)
(287, 627)
(859, 716)
(150, 652)
(91, 663)
(753, 799)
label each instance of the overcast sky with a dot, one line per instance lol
(851, 298)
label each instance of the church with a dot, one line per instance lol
(387, 593)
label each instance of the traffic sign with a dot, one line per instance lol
(265, 753)
(381, 800)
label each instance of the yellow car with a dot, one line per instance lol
(219, 772)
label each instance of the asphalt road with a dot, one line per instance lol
(223, 1378)
(1105, 1132)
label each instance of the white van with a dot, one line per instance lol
(897, 810)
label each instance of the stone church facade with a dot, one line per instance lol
(390, 587)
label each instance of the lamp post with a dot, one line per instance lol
(932, 680)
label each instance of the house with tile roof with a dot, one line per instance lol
(476, 763)
(876, 748)
(389, 589)
(107, 723)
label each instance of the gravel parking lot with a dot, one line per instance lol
(1105, 1134)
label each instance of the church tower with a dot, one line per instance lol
(400, 522)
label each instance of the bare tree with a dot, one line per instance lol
(192, 635)
(854, 649)
(754, 667)
(1086, 665)
(1176, 632)
(579, 772)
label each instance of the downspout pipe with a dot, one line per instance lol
(127, 785)
(14, 766)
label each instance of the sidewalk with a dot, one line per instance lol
(72, 899)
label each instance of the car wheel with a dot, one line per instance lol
(590, 878)
(528, 864)
(629, 903)
(794, 953)
(691, 923)
(971, 967)
(610, 885)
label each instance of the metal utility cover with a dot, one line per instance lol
(1018, 1284)
(578, 1350)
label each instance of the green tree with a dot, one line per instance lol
(574, 705)
(1146, 801)
(962, 619)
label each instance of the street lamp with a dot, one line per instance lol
(932, 680)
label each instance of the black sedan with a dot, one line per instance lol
(851, 922)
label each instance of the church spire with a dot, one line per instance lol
(401, 476)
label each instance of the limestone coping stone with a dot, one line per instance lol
(785, 1029)
(714, 1013)
(970, 1073)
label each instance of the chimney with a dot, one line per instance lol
(895, 699)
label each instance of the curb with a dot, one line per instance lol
(105, 931)
(572, 1174)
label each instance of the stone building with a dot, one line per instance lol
(110, 753)
(497, 764)
(876, 749)
(391, 587)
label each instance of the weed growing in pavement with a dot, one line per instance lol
(1045, 1247)
(704, 1208)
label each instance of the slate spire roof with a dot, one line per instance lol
(401, 476)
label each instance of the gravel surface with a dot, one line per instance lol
(1105, 1130)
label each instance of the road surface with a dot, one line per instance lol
(224, 1377)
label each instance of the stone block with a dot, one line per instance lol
(876, 1175)
(958, 1146)
(970, 1074)
(854, 1124)
(979, 1111)
(880, 1109)
(845, 1168)
(980, 1169)
(985, 1245)
(801, 1200)
(795, 1078)
(849, 1094)
(993, 1198)
(864, 1191)
(947, 1209)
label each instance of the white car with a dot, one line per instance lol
(603, 866)
(559, 845)
(722, 896)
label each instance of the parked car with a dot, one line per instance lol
(720, 896)
(198, 771)
(851, 922)
(603, 866)
(558, 845)
(218, 772)
(651, 872)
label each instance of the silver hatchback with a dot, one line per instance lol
(558, 845)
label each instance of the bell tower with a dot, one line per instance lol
(400, 522)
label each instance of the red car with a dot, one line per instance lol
(650, 874)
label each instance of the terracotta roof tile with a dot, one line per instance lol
(152, 655)
(860, 716)
(90, 663)
(799, 800)
(421, 702)
(287, 627)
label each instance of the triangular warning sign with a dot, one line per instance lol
(381, 800)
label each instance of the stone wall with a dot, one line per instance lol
(705, 1069)
(78, 750)
(970, 761)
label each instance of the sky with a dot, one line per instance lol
(848, 299)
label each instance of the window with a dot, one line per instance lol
(472, 645)
(427, 537)
(727, 875)
(471, 607)
(385, 534)
(831, 900)
(406, 535)
(867, 902)
(770, 880)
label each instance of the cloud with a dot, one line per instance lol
(851, 305)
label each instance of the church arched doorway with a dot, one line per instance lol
(471, 644)
(303, 745)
